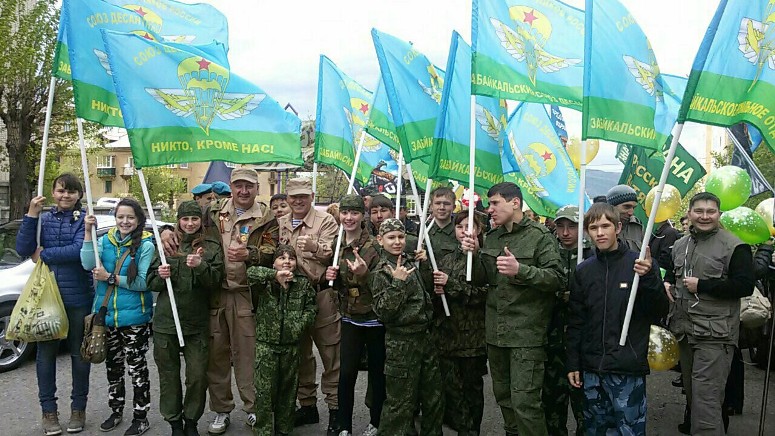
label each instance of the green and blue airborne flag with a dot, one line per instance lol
(453, 132)
(95, 97)
(733, 75)
(61, 67)
(183, 107)
(380, 124)
(533, 148)
(528, 50)
(626, 97)
(343, 109)
(413, 85)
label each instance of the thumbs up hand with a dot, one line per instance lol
(507, 264)
(194, 260)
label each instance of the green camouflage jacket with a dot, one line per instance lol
(443, 240)
(192, 287)
(519, 307)
(282, 315)
(354, 294)
(402, 306)
(462, 334)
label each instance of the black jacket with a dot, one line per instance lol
(598, 303)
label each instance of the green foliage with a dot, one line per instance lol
(163, 186)
(331, 184)
(28, 31)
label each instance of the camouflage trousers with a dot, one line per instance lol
(412, 377)
(276, 379)
(556, 392)
(128, 344)
(173, 405)
(615, 402)
(463, 383)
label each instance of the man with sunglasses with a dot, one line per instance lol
(711, 270)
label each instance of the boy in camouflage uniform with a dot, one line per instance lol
(556, 388)
(411, 367)
(460, 338)
(285, 308)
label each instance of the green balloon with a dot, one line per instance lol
(731, 184)
(746, 224)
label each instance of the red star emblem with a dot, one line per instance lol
(204, 64)
(148, 36)
(140, 11)
(530, 17)
(546, 156)
(364, 108)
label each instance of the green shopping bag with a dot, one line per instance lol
(39, 314)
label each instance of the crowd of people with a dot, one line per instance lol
(255, 287)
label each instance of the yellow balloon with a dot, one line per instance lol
(765, 210)
(574, 150)
(663, 349)
(669, 204)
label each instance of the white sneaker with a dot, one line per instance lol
(370, 431)
(251, 421)
(219, 424)
(345, 433)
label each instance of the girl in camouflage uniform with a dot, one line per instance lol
(285, 307)
(195, 269)
(460, 338)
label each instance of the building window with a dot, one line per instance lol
(173, 166)
(183, 166)
(108, 186)
(271, 189)
(106, 161)
(131, 161)
(185, 182)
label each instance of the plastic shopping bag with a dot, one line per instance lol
(39, 314)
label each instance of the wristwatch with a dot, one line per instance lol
(112, 279)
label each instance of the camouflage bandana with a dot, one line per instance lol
(391, 225)
(189, 208)
(283, 249)
(352, 202)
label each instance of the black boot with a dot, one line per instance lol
(306, 415)
(686, 426)
(333, 427)
(177, 428)
(190, 428)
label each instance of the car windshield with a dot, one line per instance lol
(9, 256)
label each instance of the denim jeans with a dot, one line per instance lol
(46, 364)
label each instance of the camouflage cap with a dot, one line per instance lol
(391, 225)
(569, 212)
(352, 202)
(284, 249)
(189, 208)
(244, 173)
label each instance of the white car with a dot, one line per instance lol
(107, 202)
(14, 272)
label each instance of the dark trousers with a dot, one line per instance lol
(166, 352)
(128, 344)
(46, 365)
(463, 385)
(354, 338)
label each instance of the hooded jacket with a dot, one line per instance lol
(598, 303)
(130, 303)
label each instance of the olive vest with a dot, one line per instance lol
(709, 319)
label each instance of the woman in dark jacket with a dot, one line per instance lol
(61, 239)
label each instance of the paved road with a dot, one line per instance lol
(20, 411)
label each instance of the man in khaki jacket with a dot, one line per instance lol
(312, 234)
(249, 234)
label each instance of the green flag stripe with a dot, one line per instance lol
(380, 127)
(619, 125)
(496, 80)
(62, 62)
(453, 165)
(328, 150)
(96, 104)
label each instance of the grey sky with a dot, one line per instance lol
(276, 44)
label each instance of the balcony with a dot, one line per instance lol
(106, 173)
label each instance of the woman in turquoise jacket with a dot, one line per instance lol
(129, 308)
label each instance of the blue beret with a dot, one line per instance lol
(202, 189)
(221, 188)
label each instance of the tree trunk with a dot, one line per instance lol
(17, 144)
